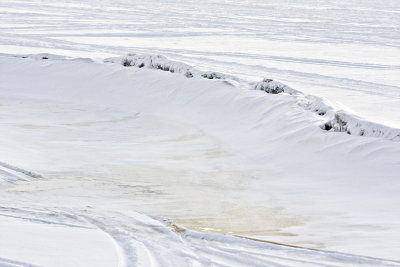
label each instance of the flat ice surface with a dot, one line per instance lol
(347, 51)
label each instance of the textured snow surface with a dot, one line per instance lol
(160, 133)
(112, 143)
(85, 238)
(346, 51)
(335, 120)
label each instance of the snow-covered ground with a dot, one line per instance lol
(345, 50)
(106, 165)
(104, 140)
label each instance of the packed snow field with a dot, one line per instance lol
(268, 137)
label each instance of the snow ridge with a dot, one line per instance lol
(162, 63)
(332, 119)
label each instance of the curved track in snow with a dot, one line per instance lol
(206, 154)
(140, 240)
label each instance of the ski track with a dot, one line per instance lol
(146, 241)
(344, 51)
(13, 263)
(9, 173)
(137, 239)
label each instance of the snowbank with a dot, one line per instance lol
(162, 63)
(334, 120)
(336, 180)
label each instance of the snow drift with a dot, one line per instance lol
(335, 180)
(335, 120)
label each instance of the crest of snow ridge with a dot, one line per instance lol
(162, 63)
(338, 120)
(273, 87)
(333, 120)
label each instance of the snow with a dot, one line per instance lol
(34, 242)
(208, 155)
(346, 51)
(138, 240)
(162, 134)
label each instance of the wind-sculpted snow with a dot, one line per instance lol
(212, 155)
(162, 63)
(343, 121)
(152, 62)
(345, 51)
(334, 120)
(353, 125)
(273, 87)
(267, 120)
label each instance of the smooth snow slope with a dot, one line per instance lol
(347, 51)
(113, 143)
